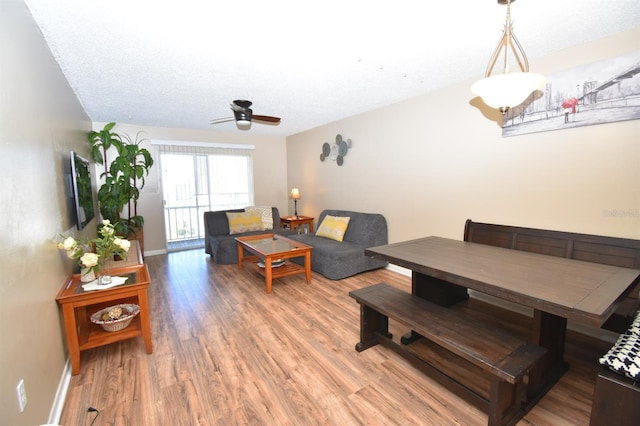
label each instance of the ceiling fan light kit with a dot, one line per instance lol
(509, 89)
(244, 116)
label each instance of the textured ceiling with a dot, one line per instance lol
(180, 63)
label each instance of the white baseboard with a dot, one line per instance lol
(155, 252)
(594, 332)
(61, 395)
(399, 269)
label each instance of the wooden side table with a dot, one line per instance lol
(294, 222)
(78, 305)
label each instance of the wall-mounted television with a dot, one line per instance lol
(82, 190)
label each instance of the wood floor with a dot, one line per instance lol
(228, 353)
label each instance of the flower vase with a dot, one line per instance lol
(87, 275)
(104, 277)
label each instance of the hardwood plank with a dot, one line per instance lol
(225, 352)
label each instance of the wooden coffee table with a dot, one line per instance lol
(268, 248)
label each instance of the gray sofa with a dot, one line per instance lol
(341, 259)
(221, 245)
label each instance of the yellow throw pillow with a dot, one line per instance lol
(333, 227)
(244, 222)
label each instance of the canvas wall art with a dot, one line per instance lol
(597, 93)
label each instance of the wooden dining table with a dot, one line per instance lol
(557, 289)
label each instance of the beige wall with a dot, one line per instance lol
(430, 163)
(41, 121)
(270, 172)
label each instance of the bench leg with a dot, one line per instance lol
(505, 403)
(371, 323)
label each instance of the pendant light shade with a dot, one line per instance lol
(504, 91)
(509, 89)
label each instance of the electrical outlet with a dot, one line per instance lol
(22, 395)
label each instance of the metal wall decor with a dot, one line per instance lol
(336, 151)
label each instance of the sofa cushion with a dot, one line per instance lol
(265, 213)
(244, 222)
(624, 356)
(337, 260)
(220, 244)
(333, 227)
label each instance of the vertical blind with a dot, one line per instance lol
(199, 178)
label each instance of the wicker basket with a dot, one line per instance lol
(102, 317)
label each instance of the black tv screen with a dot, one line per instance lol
(82, 190)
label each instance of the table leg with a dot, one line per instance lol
(268, 273)
(240, 255)
(307, 266)
(549, 331)
(145, 322)
(71, 330)
(436, 291)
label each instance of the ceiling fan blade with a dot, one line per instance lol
(266, 119)
(222, 120)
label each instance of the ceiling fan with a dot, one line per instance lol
(243, 115)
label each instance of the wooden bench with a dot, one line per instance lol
(614, 251)
(501, 356)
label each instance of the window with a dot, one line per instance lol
(202, 178)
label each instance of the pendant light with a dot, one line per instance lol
(509, 89)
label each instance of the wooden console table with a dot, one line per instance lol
(78, 305)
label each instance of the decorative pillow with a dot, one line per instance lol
(624, 356)
(266, 215)
(634, 328)
(333, 227)
(244, 222)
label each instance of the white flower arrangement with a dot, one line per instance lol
(93, 253)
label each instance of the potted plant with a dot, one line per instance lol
(124, 177)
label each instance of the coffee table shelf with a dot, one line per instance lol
(288, 269)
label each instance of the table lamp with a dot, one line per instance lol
(295, 195)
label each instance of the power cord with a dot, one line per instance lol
(93, 410)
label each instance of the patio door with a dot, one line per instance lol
(196, 179)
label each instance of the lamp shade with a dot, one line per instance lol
(504, 91)
(295, 193)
